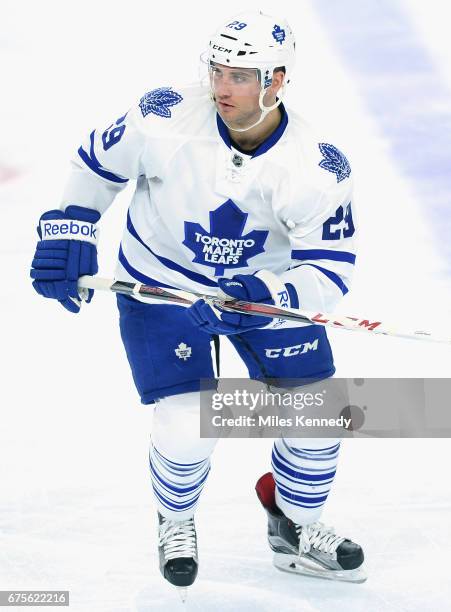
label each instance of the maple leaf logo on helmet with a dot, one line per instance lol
(278, 34)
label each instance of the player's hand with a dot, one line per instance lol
(66, 250)
(241, 287)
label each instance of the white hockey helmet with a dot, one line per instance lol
(255, 40)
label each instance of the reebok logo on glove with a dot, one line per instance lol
(283, 298)
(61, 229)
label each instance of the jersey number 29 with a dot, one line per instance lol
(113, 133)
(347, 228)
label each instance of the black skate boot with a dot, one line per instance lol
(177, 546)
(312, 550)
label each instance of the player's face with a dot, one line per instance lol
(236, 92)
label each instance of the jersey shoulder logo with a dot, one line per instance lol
(225, 245)
(158, 102)
(334, 161)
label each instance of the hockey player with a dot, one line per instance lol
(235, 194)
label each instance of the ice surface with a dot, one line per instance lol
(77, 510)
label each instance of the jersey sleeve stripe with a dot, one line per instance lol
(93, 163)
(172, 265)
(331, 276)
(304, 254)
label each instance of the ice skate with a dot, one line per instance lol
(312, 550)
(177, 546)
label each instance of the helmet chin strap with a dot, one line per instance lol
(264, 110)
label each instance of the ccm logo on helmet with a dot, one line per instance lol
(218, 48)
(292, 351)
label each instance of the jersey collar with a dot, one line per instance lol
(266, 144)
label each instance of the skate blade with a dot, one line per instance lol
(294, 564)
(183, 593)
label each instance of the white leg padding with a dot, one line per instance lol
(176, 426)
(179, 457)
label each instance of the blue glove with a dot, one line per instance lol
(66, 250)
(241, 287)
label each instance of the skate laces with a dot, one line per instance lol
(319, 537)
(178, 538)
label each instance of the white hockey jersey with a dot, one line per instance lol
(203, 209)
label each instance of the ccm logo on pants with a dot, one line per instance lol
(292, 351)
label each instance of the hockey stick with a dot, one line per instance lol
(185, 298)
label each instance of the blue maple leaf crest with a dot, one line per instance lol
(278, 34)
(225, 245)
(334, 161)
(158, 102)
